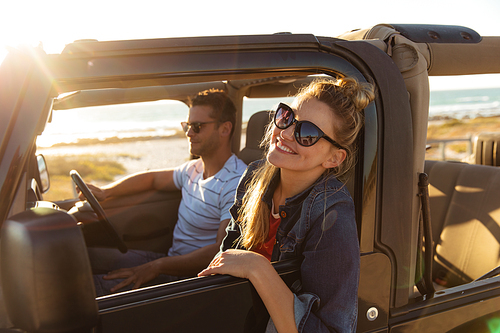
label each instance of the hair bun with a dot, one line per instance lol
(360, 93)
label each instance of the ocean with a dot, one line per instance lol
(162, 118)
(459, 104)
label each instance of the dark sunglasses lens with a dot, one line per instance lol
(195, 126)
(283, 118)
(307, 134)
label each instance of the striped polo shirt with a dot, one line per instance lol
(205, 203)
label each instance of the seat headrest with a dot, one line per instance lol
(486, 149)
(255, 132)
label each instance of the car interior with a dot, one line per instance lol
(462, 245)
(465, 214)
(146, 220)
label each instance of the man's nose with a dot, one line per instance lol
(190, 132)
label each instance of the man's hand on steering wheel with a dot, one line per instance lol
(96, 206)
(98, 193)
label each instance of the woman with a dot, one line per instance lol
(292, 205)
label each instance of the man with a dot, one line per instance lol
(208, 188)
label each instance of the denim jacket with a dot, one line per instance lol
(318, 224)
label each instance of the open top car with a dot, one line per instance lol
(429, 253)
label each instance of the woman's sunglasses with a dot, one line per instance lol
(306, 133)
(195, 126)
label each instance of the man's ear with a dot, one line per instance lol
(336, 158)
(225, 128)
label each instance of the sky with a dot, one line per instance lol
(55, 23)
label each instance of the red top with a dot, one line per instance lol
(266, 249)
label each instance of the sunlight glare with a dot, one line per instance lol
(56, 23)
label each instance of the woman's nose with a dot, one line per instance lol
(287, 133)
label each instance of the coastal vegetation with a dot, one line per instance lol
(98, 169)
(115, 139)
(459, 129)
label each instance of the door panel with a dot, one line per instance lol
(215, 303)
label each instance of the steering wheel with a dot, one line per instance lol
(96, 206)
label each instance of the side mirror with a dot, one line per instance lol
(44, 173)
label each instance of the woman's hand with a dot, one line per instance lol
(275, 294)
(136, 275)
(239, 263)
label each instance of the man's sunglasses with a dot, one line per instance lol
(306, 133)
(195, 126)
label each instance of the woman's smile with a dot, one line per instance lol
(283, 147)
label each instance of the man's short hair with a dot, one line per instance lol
(223, 108)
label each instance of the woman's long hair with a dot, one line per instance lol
(346, 98)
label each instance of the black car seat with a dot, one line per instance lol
(255, 132)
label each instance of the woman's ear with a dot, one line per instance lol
(337, 157)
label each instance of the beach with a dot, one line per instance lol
(168, 152)
(135, 156)
(142, 153)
